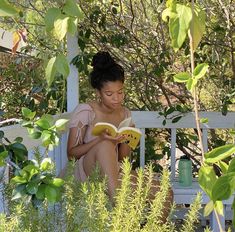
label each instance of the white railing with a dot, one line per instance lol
(143, 120)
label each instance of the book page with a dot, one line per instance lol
(125, 123)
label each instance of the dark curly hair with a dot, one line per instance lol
(105, 69)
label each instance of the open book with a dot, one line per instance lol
(132, 134)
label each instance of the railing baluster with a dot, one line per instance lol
(142, 148)
(173, 151)
(205, 139)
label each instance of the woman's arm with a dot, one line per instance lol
(76, 151)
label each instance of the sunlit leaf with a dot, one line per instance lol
(208, 208)
(72, 8)
(222, 188)
(182, 77)
(50, 71)
(207, 179)
(72, 26)
(231, 167)
(61, 124)
(27, 113)
(179, 25)
(219, 153)
(46, 164)
(7, 10)
(200, 71)
(62, 65)
(57, 182)
(61, 26)
(204, 120)
(223, 166)
(197, 26)
(219, 207)
(50, 17)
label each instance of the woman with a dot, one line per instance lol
(107, 78)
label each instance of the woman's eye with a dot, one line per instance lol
(121, 92)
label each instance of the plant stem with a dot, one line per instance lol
(218, 220)
(195, 97)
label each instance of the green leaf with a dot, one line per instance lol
(57, 182)
(1, 134)
(50, 17)
(182, 77)
(19, 192)
(176, 119)
(61, 124)
(200, 71)
(27, 113)
(72, 8)
(3, 155)
(219, 207)
(48, 118)
(223, 166)
(46, 164)
(18, 139)
(189, 85)
(197, 26)
(179, 25)
(31, 169)
(19, 150)
(62, 65)
(40, 194)
(19, 179)
(50, 71)
(43, 123)
(207, 179)
(35, 135)
(204, 120)
(219, 153)
(61, 26)
(168, 13)
(46, 138)
(32, 187)
(208, 208)
(7, 10)
(51, 194)
(222, 188)
(72, 26)
(231, 167)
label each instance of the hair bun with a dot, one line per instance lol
(102, 60)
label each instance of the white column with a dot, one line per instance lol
(73, 79)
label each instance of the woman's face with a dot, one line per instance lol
(112, 94)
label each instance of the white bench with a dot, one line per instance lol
(150, 119)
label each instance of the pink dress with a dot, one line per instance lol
(82, 118)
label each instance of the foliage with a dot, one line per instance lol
(221, 187)
(86, 206)
(34, 180)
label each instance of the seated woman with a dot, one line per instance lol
(107, 78)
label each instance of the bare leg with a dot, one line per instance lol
(105, 155)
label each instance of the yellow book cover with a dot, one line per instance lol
(133, 135)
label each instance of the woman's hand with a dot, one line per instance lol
(116, 140)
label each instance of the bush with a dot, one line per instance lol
(86, 207)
